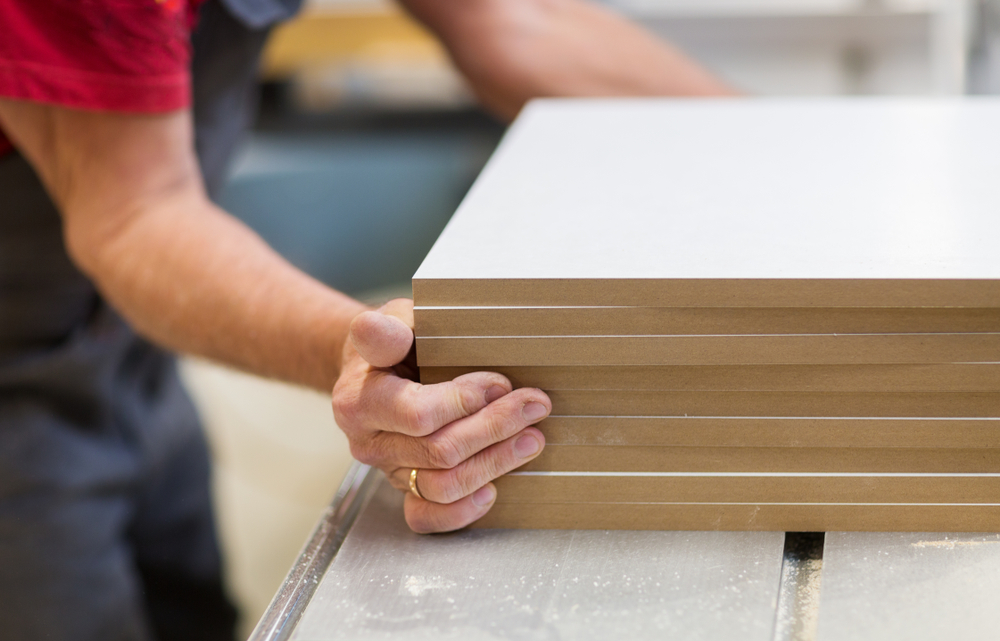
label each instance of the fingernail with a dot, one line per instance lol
(526, 446)
(495, 392)
(483, 496)
(533, 411)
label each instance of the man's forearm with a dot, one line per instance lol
(515, 50)
(194, 279)
(182, 271)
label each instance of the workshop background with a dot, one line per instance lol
(368, 140)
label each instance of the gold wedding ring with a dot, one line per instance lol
(413, 484)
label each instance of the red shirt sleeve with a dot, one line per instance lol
(113, 55)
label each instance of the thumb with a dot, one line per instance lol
(384, 337)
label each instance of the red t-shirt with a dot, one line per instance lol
(109, 55)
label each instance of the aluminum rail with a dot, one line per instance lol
(278, 621)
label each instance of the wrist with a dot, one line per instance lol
(338, 332)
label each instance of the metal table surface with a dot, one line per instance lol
(896, 585)
(364, 575)
(386, 582)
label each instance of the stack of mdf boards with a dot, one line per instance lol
(774, 315)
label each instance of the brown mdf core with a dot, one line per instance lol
(791, 292)
(597, 458)
(776, 404)
(942, 377)
(735, 516)
(612, 431)
(739, 488)
(602, 321)
(818, 349)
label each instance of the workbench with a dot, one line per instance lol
(364, 575)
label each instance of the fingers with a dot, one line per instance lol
(425, 517)
(384, 402)
(449, 486)
(449, 446)
(381, 339)
(457, 441)
(401, 308)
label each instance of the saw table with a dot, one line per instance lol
(364, 575)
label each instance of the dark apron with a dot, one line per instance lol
(105, 515)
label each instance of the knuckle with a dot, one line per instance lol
(444, 453)
(363, 452)
(419, 419)
(470, 400)
(462, 482)
(501, 460)
(447, 487)
(417, 414)
(502, 423)
(498, 465)
(346, 408)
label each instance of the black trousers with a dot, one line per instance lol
(106, 528)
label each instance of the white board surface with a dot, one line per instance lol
(735, 189)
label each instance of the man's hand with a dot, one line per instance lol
(460, 435)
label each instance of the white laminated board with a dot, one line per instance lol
(712, 458)
(787, 432)
(950, 377)
(750, 487)
(802, 349)
(600, 321)
(776, 404)
(781, 517)
(728, 203)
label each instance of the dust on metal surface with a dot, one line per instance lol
(911, 586)
(388, 583)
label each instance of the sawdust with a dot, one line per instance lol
(949, 544)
